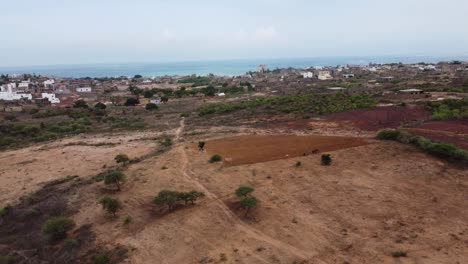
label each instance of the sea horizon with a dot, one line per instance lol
(222, 67)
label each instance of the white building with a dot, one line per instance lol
(83, 90)
(325, 75)
(23, 84)
(48, 83)
(51, 97)
(307, 75)
(7, 93)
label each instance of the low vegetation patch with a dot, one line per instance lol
(110, 205)
(311, 103)
(167, 200)
(215, 158)
(56, 228)
(447, 109)
(326, 159)
(246, 199)
(438, 149)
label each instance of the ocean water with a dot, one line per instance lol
(220, 67)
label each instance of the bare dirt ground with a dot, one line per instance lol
(260, 148)
(24, 170)
(373, 200)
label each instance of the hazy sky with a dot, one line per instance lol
(101, 31)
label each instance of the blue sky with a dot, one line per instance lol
(111, 31)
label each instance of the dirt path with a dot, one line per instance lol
(188, 174)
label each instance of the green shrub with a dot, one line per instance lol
(248, 203)
(114, 177)
(326, 159)
(201, 145)
(111, 205)
(122, 158)
(127, 220)
(216, 158)
(166, 198)
(57, 228)
(167, 142)
(243, 191)
(191, 196)
(442, 150)
(388, 134)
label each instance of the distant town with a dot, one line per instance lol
(393, 81)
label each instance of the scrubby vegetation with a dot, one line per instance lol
(311, 103)
(246, 199)
(197, 81)
(114, 177)
(56, 228)
(439, 149)
(215, 158)
(167, 199)
(122, 158)
(448, 108)
(109, 204)
(326, 159)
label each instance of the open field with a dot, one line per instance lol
(257, 148)
(450, 131)
(376, 198)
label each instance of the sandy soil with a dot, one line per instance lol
(373, 200)
(23, 171)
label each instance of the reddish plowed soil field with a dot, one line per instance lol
(255, 149)
(450, 131)
(382, 117)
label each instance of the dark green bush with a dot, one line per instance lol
(442, 150)
(216, 158)
(326, 159)
(57, 228)
(244, 190)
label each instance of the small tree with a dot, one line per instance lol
(122, 158)
(114, 177)
(216, 158)
(131, 101)
(191, 196)
(151, 107)
(201, 145)
(244, 191)
(100, 106)
(111, 205)
(326, 159)
(56, 228)
(248, 202)
(166, 198)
